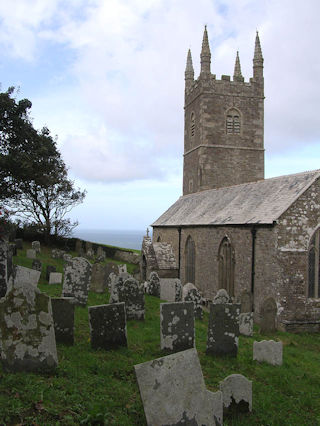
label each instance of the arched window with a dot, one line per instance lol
(233, 121)
(192, 124)
(190, 261)
(226, 266)
(313, 266)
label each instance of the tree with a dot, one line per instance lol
(34, 182)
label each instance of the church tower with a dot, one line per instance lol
(224, 120)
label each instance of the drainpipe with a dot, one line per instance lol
(179, 261)
(253, 234)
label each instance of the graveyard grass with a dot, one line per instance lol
(99, 387)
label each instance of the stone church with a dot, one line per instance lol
(257, 238)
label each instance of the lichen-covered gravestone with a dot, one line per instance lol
(171, 289)
(153, 285)
(237, 394)
(50, 269)
(190, 293)
(3, 267)
(246, 324)
(122, 268)
(177, 331)
(36, 246)
(108, 327)
(223, 329)
(98, 278)
(76, 283)
(131, 292)
(221, 297)
(268, 351)
(22, 275)
(173, 392)
(26, 330)
(63, 319)
(36, 265)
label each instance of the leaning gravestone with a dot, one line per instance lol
(190, 293)
(37, 265)
(63, 319)
(177, 331)
(173, 392)
(268, 351)
(55, 278)
(76, 283)
(237, 394)
(31, 254)
(36, 246)
(171, 289)
(153, 285)
(26, 330)
(246, 324)
(23, 275)
(223, 329)
(3, 267)
(50, 269)
(268, 316)
(131, 292)
(98, 278)
(108, 327)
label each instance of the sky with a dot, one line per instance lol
(107, 77)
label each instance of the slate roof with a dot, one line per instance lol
(260, 202)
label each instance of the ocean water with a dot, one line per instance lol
(125, 239)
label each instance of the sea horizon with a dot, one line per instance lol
(128, 238)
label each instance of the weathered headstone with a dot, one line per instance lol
(63, 319)
(221, 297)
(26, 330)
(108, 327)
(76, 283)
(36, 246)
(246, 302)
(190, 293)
(237, 394)
(19, 243)
(37, 265)
(57, 253)
(98, 278)
(122, 269)
(22, 275)
(3, 267)
(31, 254)
(223, 329)
(111, 281)
(67, 257)
(171, 289)
(268, 351)
(55, 278)
(131, 292)
(88, 246)
(50, 269)
(246, 324)
(268, 316)
(153, 286)
(90, 253)
(173, 392)
(79, 248)
(101, 254)
(177, 332)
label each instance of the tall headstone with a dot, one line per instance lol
(63, 319)
(3, 267)
(77, 277)
(171, 289)
(36, 265)
(108, 327)
(131, 292)
(26, 330)
(268, 316)
(223, 329)
(153, 286)
(177, 332)
(98, 278)
(237, 394)
(173, 392)
(36, 246)
(268, 351)
(190, 293)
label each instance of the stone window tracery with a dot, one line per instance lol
(226, 261)
(313, 266)
(190, 261)
(192, 124)
(233, 121)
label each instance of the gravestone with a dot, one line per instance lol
(50, 269)
(122, 269)
(221, 297)
(131, 292)
(246, 324)
(57, 253)
(153, 286)
(98, 278)
(246, 302)
(190, 293)
(3, 267)
(19, 243)
(76, 283)
(111, 281)
(177, 331)
(268, 316)
(55, 278)
(268, 351)
(37, 265)
(108, 327)
(90, 254)
(23, 275)
(88, 246)
(31, 254)
(63, 319)
(171, 289)
(36, 246)
(67, 257)
(223, 329)
(79, 248)
(237, 394)
(101, 254)
(26, 330)
(173, 392)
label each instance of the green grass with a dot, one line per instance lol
(99, 387)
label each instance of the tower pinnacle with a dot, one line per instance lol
(189, 72)
(237, 76)
(205, 55)
(257, 59)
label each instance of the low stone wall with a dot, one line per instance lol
(127, 256)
